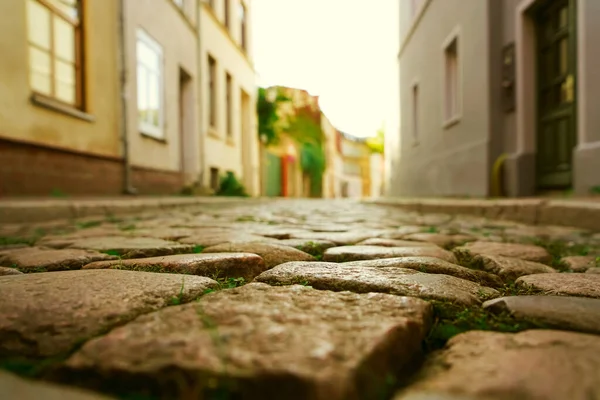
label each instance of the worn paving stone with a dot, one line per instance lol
(218, 265)
(263, 342)
(557, 312)
(340, 238)
(331, 228)
(99, 231)
(37, 259)
(579, 263)
(13, 387)
(575, 284)
(276, 232)
(9, 271)
(535, 364)
(550, 233)
(526, 252)
(272, 254)
(77, 305)
(403, 231)
(215, 238)
(125, 246)
(313, 247)
(393, 243)
(173, 234)
(10, 247)
(509, 268)
(357, 253)
(432, 265)
(442, 240)
(393, 280)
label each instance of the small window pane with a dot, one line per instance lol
(40, 71)
(154, 97)
(65, 81)
(142, 91)
(64, 40)
(68, 7)
(562, 18)
(148, 57)
(39, 24)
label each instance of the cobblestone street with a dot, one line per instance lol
(298, 299)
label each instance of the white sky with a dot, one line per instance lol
(342, 50)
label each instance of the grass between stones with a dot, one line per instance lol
(451, 319)
(313, 249)
(88, 224)
(560, 249)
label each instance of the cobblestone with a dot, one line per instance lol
(302, 299)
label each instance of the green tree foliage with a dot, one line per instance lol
(230, 186)
(377, 143)
(267, 115)
(305, 129)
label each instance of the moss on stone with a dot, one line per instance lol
(452, 319)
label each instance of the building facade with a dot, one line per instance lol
(101, 98)
(496, 98)
(228, 103)
(161, 84)
(355, 155)
(59, 123)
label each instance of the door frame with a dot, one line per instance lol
(526, 92)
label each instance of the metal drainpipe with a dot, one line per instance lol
(202, 144)
(127, 188)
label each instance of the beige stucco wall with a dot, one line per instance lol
(443, 160)
(330, 177)
(240, 154)
(175, 31)
(21, 120)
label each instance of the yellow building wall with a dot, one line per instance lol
(21, 120)
(240, 152)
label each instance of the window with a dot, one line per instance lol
(243, 27)
(226, 11)
(149, 85)
(451, 81)
(214, 179)
(229, 105)
(55, 50)
(415, 111)
(212, 91)
(179, 3)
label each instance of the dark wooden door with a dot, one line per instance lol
(556, 136)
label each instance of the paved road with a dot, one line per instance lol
(302, 299)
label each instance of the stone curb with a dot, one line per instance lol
(571, 213)
(46, 210)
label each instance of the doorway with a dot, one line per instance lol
(556, 66)
(187, 146)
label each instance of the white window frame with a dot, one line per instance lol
(454, 37)
(145, 127)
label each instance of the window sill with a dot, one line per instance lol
(212, 132)
(451, 122)
(55, 105)
(152, 136)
